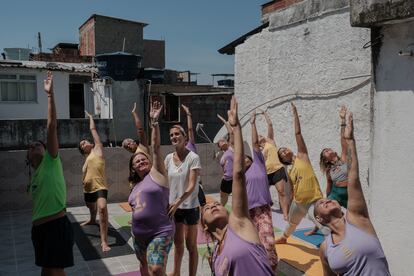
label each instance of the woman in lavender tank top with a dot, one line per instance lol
(353, 247)
(238, 250)
(151, 226)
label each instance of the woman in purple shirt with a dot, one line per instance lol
(258, 196)
(152, 228)
(353, 247)
(238, 250)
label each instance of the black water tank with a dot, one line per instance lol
(119, 66)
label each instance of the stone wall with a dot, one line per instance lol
(14, 175)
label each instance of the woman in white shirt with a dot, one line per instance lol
(183, 168)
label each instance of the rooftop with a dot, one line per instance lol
(94, 16)
(54, 66)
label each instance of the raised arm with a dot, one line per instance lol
(328, 183)
(189, 124)
(342, 114)
(255, 136)
(302, 150)
(139, 127)
(356, 201)
(239, 198)
(52, 140)
(98, 148)
(270, 131)
(158, 164)
(229, 129)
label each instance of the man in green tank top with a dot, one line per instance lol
(52, 233)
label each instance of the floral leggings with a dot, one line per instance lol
(262, 219)
(154, 251)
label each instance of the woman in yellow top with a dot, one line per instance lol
(94, 182)
(275, 170)
(305, 185)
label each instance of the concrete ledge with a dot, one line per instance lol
(370, 13)
(303, 11)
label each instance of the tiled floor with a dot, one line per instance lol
(17, 255)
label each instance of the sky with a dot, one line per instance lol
(193, 30)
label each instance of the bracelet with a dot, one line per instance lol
(343, 125)
(154, 123)
(93, 128)
(189, 114)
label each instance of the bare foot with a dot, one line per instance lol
(310, 233)
(89, 222)
(281, 240)
(105, 247)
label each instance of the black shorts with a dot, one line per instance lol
(226, 186)
(53, 243)
(277, 176)
(187, 216)
(201, 196)
(93, 197)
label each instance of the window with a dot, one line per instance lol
(18, 88)
(171, 108)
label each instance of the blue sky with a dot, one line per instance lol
(193, 30)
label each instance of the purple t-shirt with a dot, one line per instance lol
(191, 146)
(257, 186)
(226, 162)
(240, 257)
(149, 202)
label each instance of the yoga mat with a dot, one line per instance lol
(88, 240)
(300, 255)
(123, 220)
(316, 239)
(125, 206)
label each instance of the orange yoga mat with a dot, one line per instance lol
(125, 206)
(301, 256)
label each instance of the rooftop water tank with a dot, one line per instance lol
(120, 66)
(17, 53)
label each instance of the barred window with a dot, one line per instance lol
(18, 88)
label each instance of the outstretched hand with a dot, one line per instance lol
(294, 109)
(155, 110)
(233, 118)
(48, 83)
(134, 108)
(349, 129)
(253, 117)
(87, 114)
(342, 112)
(186, 109)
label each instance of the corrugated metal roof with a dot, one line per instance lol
(54, 66)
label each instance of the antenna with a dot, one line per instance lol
(39, 42)
(123, 46)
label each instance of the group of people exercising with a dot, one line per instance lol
(168, 203)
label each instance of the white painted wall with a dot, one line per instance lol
(285, 61)
(38, 110)
(392, 164)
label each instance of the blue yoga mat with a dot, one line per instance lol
(316, 239)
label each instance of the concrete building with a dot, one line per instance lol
(101, 34)
(204, 101)
(392, 131)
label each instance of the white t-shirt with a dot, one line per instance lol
(178, 177)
